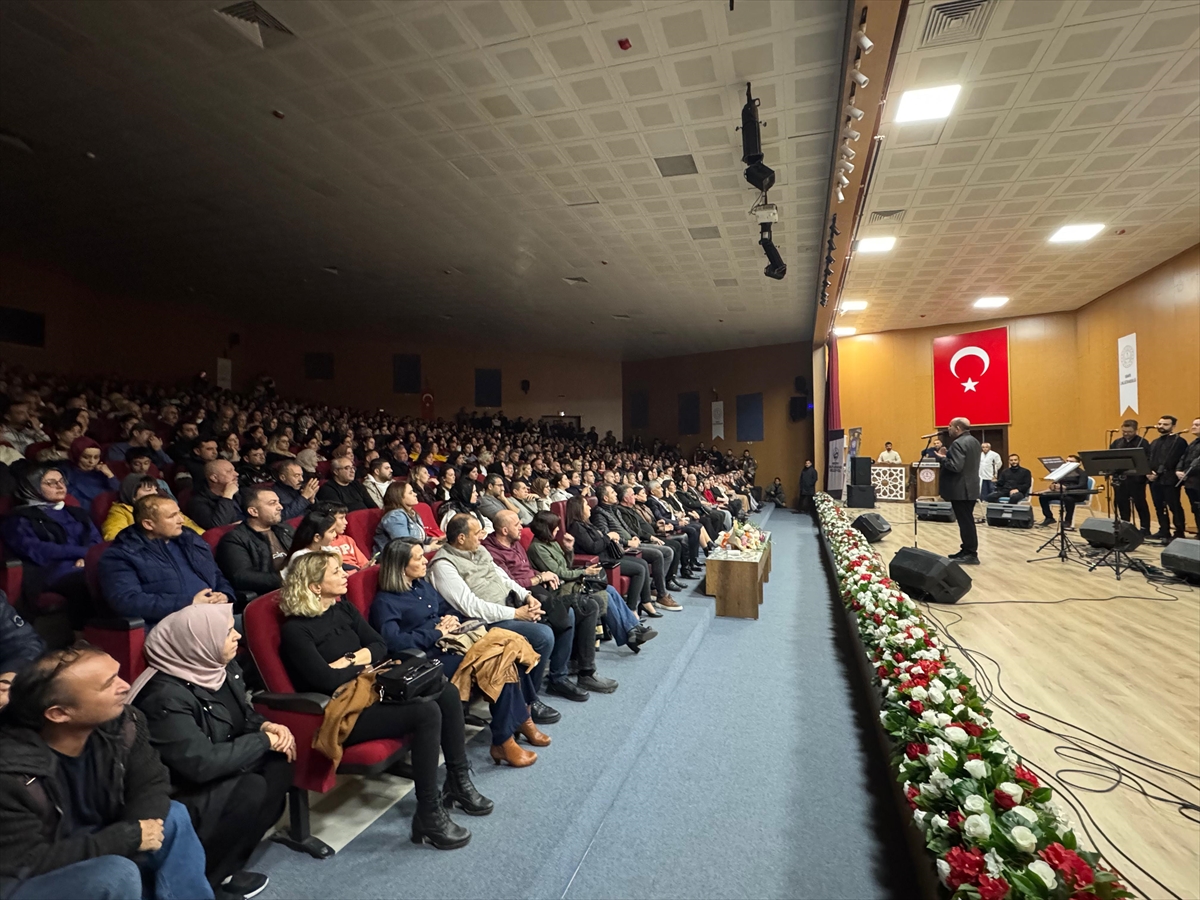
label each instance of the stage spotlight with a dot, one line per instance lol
(847, 150)
(776, 268)
(864, 42)
(851, 110)
(851, 134)
(760, 175)
(859, 78)
(845, 165)
(842, 180)
(840, 195)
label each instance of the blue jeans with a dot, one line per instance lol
(619, 618)
(175, 871)
(540, 637)
(511, 709)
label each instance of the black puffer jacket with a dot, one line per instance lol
(32, 838)
(244, 556)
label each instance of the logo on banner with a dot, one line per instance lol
(970, 377)
(1127, 374)
(718, 419)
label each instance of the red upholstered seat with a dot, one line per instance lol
(361, 525)
(526, 538)
(119, 468)
(361, 588)
(121, 637)
(429, 521)
(11, 575)
(213, 536)
(101, 505)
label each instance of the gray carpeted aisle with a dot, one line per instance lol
(727, 765)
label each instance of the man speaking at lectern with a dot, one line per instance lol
(960, 485)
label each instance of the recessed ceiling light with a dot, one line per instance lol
(854, 305)
(1072, 233)
(990, 302)
(876, 244)
(928, 104)
(843, 331)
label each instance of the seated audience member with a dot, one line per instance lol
(493, 500)
(184, 441)
(316, 533)
(682, 537)
(464, 500)
(51, 539)
(295, 491)
(592, 541)
(411, 615)
(504, 545)
(1071, 490)
(141, 435)
(525, 504)
(613, 519)
(229, 766)
(213, 504)
(20, 645)
(138, 461)
(157, 566)
(539, 491)
(229, 446)
(546, 554)
(418, 477)
(446, 479)
(400, 518)
(468, 578)
(85, 808)
(1013, 484)
(18, 427)
(342, 488)
(279, 447)
(195, 464)
(352, 555)
(253, 468)
(673, 501)
(715, 519)
(378, 480)
(560, 488)
(252, 554)
(87, 475)
(310, 456)
(774, 494)
(120, 514)
(66, 429)
(325, 643)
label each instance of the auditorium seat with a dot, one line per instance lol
(101, 505)
(526, 538)
(303, 714)
(361, 588)
(213, 536)
(429, 521)
(121, 637)
(361, 525)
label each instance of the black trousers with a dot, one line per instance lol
(254, 805)
(691, 535)
(1068, 507)
(964, 514)
(637, 570)
(679, 545)
(997, 496)
(1194, 498)
(430, 724)
(1165, 494)
(1132, 491)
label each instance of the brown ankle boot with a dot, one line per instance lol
(531, 733)
(510, 753)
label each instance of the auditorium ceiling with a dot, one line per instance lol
(491, 167)
(1070, 113)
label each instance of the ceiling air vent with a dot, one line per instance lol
(725, 282)
(956, 22)
(704, 232)
(255, 24)
(887, 215)
(575, 279)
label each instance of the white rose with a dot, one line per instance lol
(919, 693)
(936, 695)
(929, 790)
(1043, 871)
(1023, 838)
(919, 818)
(943, 869)
(943, 720)
(1013, 790)
(1026, 813)
(883, 717)
(974, 804)
(939, 823)
(977, 827)
(941, 781)
(995, 865)
(957, 736)
(918, 633)
(929, 717)
(904, 676)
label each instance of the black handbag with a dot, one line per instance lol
(411, 680)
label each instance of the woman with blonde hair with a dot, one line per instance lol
(325, 642)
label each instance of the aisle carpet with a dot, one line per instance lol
(727, 765)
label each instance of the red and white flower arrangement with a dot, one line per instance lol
(994, 830)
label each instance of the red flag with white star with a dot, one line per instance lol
(970, 377)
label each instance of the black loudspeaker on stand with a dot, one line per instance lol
(927, 575)
(860, 470)
(873, 526)
(860, 496)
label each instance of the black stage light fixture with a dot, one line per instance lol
(776, 268)
(760, 175)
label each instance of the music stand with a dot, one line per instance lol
(1059, 539)
(1114, 465)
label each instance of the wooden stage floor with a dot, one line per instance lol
(1127, 670)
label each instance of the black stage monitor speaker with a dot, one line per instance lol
(873, 526)
(860, 469)
(935, 511)
(1010, 515)
(1099, 533)
(860, 496)
(925, 574)
(1181, 556)
(801, 384)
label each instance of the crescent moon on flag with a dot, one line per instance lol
(970, 351)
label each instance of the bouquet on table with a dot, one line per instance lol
(993, 829)
(742, 536)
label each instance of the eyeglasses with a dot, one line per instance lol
(53, 482)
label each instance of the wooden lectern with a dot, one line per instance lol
(927, 476)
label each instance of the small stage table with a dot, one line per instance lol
(736, 579)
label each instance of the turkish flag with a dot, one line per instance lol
(970, 377)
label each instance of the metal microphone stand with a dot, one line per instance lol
(916, 469)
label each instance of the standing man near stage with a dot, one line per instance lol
(989, 468)
(1188, 470)
(1131, 489)
(1165, 453)
(960, 485)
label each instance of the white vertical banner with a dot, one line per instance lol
(718, 419)
(1127, 372)
(835, 462)
(224, 373)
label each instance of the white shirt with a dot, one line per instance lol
(989, 466)
(447, 582)
(376, 489)
(889, 456)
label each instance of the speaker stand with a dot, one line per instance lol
(1059, 540)
(1121, 562)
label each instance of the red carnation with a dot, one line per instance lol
(877, 618)
(882, 673)
(992, 888)
(955, 818)
(965, 866)
(912, 751)
(916, 707)
(912, 793)
(1076, 873)
(866, 576)
(963, 687)
(974, 756)
(972, 729)
(1023, 774)
(899, 657)
(1003, 799)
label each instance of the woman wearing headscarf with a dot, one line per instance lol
(410, 614)
(229, 766)
(464, 498)
(120, 514)
(88, 475)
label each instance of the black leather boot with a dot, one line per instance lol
(435, 827)
(459, 791)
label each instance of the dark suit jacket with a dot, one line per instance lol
(960, 469)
